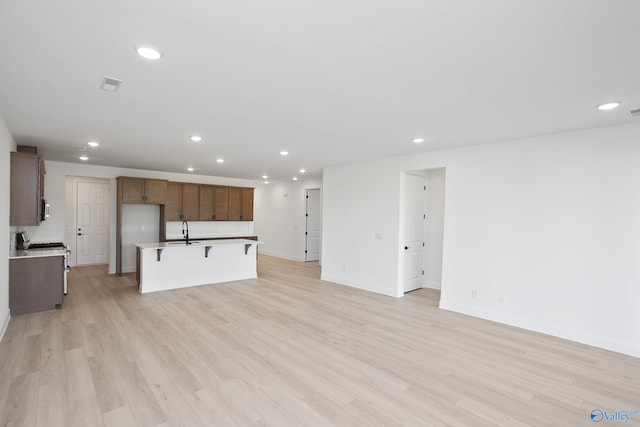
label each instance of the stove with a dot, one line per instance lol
(55, 245)
(46, 245)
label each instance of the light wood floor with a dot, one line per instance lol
(289, 349)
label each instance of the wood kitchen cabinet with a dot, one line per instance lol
(26, 189)
(240, 204)
(182, 202)
(214, 203)
(141, 190)
(35, 284)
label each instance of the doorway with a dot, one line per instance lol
(312, 224)
(422, 229)
(88, 202)
(413, 232)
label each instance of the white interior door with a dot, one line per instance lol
(92, 223)
(312, 249)
(413, 232)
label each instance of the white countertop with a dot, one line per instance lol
(35, 253)
(196, 243)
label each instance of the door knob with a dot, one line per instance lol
(79, 234)
(406, 248)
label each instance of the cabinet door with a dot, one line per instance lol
(205, 211)
(133, 190)
(35, 284)
(221, 204)
(155, 191)
(247, 204)
(235, 203)
(173, 202)
(25, 193)
(190, 201)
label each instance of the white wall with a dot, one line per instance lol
(552, 223)
(434, 227)
(279, 218)
(7, 144)
(54, 228)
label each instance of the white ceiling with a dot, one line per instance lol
(330, 81)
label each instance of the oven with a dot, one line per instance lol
(67, 253)
(65, 258)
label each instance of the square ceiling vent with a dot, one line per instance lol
(110, 84)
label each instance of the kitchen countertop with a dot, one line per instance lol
(195, 243)
(35, 253)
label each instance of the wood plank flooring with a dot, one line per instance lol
(288, 349)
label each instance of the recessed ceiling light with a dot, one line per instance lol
(284, 153)
(264, 177)
(196, 138)
(190, 169)
(303, 170)
(266, 182)
(220, 160)
(83, 158)
(295, 178)
(609, 105)
(148, 52)
(418, 140)
(92, 144)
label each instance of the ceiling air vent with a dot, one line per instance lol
(635, 112)
(110, 84)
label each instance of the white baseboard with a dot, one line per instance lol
(280, 255)
(431, 285)
(5, 323)
(353, 284)
(631, 349)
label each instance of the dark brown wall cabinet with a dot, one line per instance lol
(140, 190)
(214, 203)
(240, 204)
(35, 284)
(27, 188)
(182, 202)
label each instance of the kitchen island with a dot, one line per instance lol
(172, 265)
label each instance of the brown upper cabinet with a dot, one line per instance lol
(214, 203)
(182, 202)
(27, 188)
(240, 204)
(141, 190)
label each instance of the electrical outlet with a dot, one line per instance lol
(474, 294)
(502, 299)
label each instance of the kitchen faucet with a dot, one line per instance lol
(185, 231)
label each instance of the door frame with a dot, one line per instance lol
(402, 229)
(71, 214)
(306, 211)
(426, 233)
